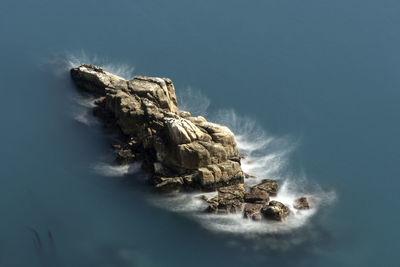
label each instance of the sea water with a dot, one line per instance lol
(309, 88)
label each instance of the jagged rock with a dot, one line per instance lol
(275, 210)
(229, 199)
(252, 211)
(179, 150)
(256, 197)
(301, 204)
(267, 185)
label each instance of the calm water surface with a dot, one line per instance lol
(321, 77)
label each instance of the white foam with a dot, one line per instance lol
(111, 170)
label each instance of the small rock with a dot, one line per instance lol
(246, 175)
(275, 210)
(166, 184)
(125, 156)
(256, 217)
(252, 211)
(267, 185)
(229, 199)
(100, 101)
(116, 146)
(256, 197)
(301, 204)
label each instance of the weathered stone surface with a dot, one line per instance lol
(96, 79)
(275, 210)
(229, 199)
(267, 185)
(252, 211)
(256, 197)
(301, 204)
(178, 150)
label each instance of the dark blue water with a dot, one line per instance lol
(322, 75)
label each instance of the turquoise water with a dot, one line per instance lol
(317, 79)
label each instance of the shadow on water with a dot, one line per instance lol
(45, 248)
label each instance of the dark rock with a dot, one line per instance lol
(275, 210)
(301, 204)
(125, 156)
(267, 185)
(256, 197)
(252, 211)
(246, 175)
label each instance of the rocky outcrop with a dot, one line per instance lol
(178, 150)
(275, 210)
(301, 204)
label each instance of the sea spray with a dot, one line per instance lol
(64, 62)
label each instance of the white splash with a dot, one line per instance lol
(64, 62)
(193, 101)
(83, 109)
(60, 65)
(111, 170)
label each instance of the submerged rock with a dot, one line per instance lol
(179, 150)
(275, 210)
(301, 204)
